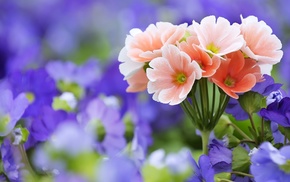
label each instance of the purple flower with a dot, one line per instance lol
(70, 140)
(270, 164)
(120, 169)
(68, 72)
(42, 127)
(105, 124)
(278, 112)
(11, 159)
(264, 88)
(277, 135)
(220, 157)
(71, 177)
(33, 82)
(203, 171)
(11, 110)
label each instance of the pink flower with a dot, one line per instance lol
(172, 76)
(217, 37)
(134, 73)
(145, 46)
(261, 44)
(208, 65)
(142, 47)
(237, 74)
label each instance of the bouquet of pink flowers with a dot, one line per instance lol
(202, 67)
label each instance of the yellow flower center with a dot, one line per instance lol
(213, 48)
(229, 81)
(181, 78)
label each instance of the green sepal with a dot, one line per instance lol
(233, 141)
(223, 127)
(74, 88)
(252, 102)
(25, 134)
(59, 104)
(222, 177)
(241, 160)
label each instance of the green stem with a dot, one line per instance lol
(263, 129)
(242, 174)
(252, 122)
(240, 131)
(205, 140)
(26, 162)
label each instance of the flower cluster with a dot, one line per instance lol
(168, 59)
(75, 120)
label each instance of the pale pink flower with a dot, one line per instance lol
(261, 44)
(172, 76)
(217, 37)
(133, 72)
(141, 47)
(208, 65)
(145, 46)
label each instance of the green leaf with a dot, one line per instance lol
(222, 177)
(287, 132)
(252, 102)
(153, 174)
(84, 164)
(241, 160)
(233, 141)
(223, 127)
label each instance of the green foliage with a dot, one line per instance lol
(252, 102)
(241, 160)
(154, 174)
(223, 127)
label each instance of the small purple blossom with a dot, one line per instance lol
(11, 110)
(105, 124)
(120, 169)
(203, 171)
(220, 157)
(43, 127)
(69, 72)
(11, 159)
(33, 82)
(271, 164)
(278, 112)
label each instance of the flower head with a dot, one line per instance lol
(11, 110)
(236, 74)
(172, 75)
(105, 124)
(217, 36)
(142, 47)
(11, 159)
(261, 44)
(278, 112)
(269, 164)
(208, 65)
(203, 171)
